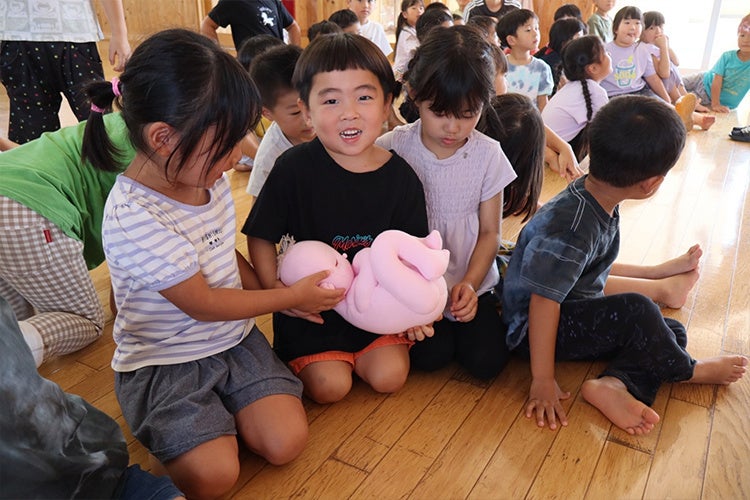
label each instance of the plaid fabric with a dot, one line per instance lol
(42, 270)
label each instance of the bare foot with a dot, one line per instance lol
(689, 261)
(673, 291)
(704, 121)
(610, 396)
(719, 370)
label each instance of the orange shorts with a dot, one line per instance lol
(298, 364)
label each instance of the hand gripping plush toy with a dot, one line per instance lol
(392, 286)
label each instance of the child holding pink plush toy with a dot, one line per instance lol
(343, 190)
(464, 173)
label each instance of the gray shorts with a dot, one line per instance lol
(694, 83)
(171, 409)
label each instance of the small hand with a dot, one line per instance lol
(419, 333)
(544, 403)
(311, 297)
(719, 108)
(661, 41)
(568, 165)
(464, 302)
(311, 317)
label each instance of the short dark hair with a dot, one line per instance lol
(272, 72)
(633, 138)
(254, 46)
(429, 20)
(562, 31)
(322, 28)
(568, 10)
(437, 6)
(485, 24)
(628, 12)
(339, 52)
(508, 24)
(344, 18)
(653, 18)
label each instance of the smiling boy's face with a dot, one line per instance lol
(347, 110)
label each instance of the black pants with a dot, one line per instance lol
(478, 345)
(644, 348)
(36, 73)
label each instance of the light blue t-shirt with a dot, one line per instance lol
(532, 80)
(736, 75)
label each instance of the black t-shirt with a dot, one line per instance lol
(483, 10)
(310, 197)
(251, 17)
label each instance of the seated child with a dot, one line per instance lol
(569, 112)
(342, 189)
(406, 35)
(600, 24)
(569, 11)
(554, 298)
(725, 85)
(347, 20)
(371, 30)
(249, 49)
(487, 25)
(527, 75)
(561, 33)
(633, 70)
(272, 71)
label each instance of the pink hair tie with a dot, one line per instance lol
(96, 109)
(116, 87)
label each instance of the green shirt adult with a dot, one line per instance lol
(47, 176)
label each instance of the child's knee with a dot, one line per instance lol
(212, 480)
(389, 380)
(282, 449)
(325, 389)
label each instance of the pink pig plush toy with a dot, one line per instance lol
(392, 286)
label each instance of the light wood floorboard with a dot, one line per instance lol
(445, 435)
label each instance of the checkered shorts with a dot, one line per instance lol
(44, 277)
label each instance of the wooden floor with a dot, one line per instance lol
(448, 436)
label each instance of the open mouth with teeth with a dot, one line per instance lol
(350, 133)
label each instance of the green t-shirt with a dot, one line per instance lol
(47, 176)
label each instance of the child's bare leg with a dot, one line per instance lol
(703, 121)
(719, 370)
(384, 368)
(207, 471)
(274, 427)
(327, 381)
(671, 292)
(667, 283)
(610, 396)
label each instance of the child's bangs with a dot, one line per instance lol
(455, 92)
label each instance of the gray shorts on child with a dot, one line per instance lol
(694, 83)
(171, 409)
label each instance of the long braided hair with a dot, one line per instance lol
(576, 56)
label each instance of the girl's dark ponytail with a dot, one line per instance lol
(97, 147)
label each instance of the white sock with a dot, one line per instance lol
(32, 337)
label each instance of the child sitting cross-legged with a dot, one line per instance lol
(272, 71)
(556, 303)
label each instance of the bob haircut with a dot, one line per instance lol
(628, 12)
(339, 52)
(454, 69)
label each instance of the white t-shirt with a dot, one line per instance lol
(152, 243)
(49, 21)
(376, 34)
(405, 47)
(273, 144)
(566, 112)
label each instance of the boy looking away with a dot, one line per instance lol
(272, 72)
(554, 300)
(527, 75)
